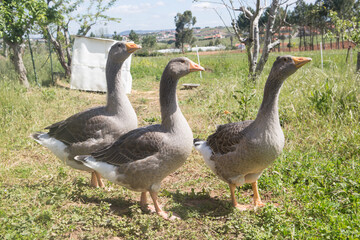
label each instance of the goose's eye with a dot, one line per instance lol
(285, 59)
(182, 61)
(119, 45)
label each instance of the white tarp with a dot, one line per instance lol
(88, 65)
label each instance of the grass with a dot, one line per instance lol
(311, 191)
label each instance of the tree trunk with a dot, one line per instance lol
(252, 64)
(18, 50)
(330, 43)
(310, 39)
(289, 39)
(252, 41)
(268, 36)
(358, 62)
(5, 52)
(60, 54)
(68, 46)
(279, 34)
(289, 45)
(305, 43)
(348, 54)
(300, 35)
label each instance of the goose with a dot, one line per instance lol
(92, 129)
(239, 152)
(142, 158)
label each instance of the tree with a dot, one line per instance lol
(247, 30)
(343, 8)
(17, 17)
(133, 36)
(116, 36)
(56, 29)
(59, 15)
(350, 29)
(95, 14)
(184, 33)
(148, 41)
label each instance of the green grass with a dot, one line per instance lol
(311, 191)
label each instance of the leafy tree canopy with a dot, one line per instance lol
(184, 32)
(133, 36)
(18, 16)
(148, 41)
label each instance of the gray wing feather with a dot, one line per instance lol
(135, 145)
(79, 127)
(227, 136)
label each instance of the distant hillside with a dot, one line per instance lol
(206, 30)
(143, 31)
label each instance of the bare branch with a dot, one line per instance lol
(227, 28)
(224, 4)
(228, 9)
(273, 44)
(247, 13)
(283, 19)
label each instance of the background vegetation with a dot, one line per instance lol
(311, 191)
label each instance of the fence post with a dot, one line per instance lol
(32, 59)
(321, 53)
(197, 53)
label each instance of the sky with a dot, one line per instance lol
(159, 14)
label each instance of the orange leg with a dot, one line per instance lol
(233, 199)
(232, 191)
(94, 182)
(99, 180)
(143, 200)
(257, 200)
(158, 210)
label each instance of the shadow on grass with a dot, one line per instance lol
(119, 206)
(83, 192)
(199, 205)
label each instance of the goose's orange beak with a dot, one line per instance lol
(195, 67)
(132, 47)
(301, 61)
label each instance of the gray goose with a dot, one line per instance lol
(239, 152)
(92, 129)
(142, 158)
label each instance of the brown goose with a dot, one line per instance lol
(142, 158)
(239, 152)
(97, 127)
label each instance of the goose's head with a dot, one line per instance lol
(120, 51)
(181, 66)
(286, 65)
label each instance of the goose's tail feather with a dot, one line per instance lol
(206, 152)
(37, 136)
(106, 170)
(84, 158)
(197, 142)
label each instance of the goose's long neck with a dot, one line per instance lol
(269, 107)
(117, 100)
(171, 115)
